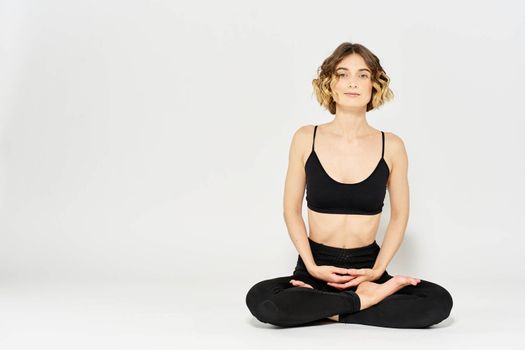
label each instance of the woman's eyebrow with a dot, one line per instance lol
(357, 70)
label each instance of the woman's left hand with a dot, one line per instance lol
(360, 275)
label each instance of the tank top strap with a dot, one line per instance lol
(383, 144)
(313, 141)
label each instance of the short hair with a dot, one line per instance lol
(381, 91)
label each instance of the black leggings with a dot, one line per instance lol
(278, 302)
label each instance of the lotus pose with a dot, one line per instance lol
(346, 167)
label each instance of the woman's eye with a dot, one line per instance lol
(362, 75)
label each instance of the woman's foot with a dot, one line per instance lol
(298, 283)
(371, 293)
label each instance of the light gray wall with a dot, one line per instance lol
(149, 139)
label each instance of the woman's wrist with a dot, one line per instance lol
(311, 269)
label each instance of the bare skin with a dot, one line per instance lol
(371, 293)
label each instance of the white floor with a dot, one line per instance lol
(198, 316)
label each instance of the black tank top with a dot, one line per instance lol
(326, 195)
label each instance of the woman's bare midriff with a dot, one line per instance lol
(343, 230)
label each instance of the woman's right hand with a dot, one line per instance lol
(330, 273)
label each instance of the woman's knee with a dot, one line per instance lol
(446, 301)
(260, 303)
(441, 301)
(254, 296)
(442, 295)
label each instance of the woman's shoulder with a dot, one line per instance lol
(302, 138)
(305, 129)
(303, 133)
(394, 146)
(393, 140)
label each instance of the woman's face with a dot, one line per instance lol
(353, 76)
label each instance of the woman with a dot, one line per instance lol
(341, 270)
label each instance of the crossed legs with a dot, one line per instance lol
(398, 302)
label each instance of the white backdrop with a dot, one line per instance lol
(148, 140)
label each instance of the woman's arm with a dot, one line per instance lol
(398, 191)
(294, 189)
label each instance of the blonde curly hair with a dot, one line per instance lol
(326, 77)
